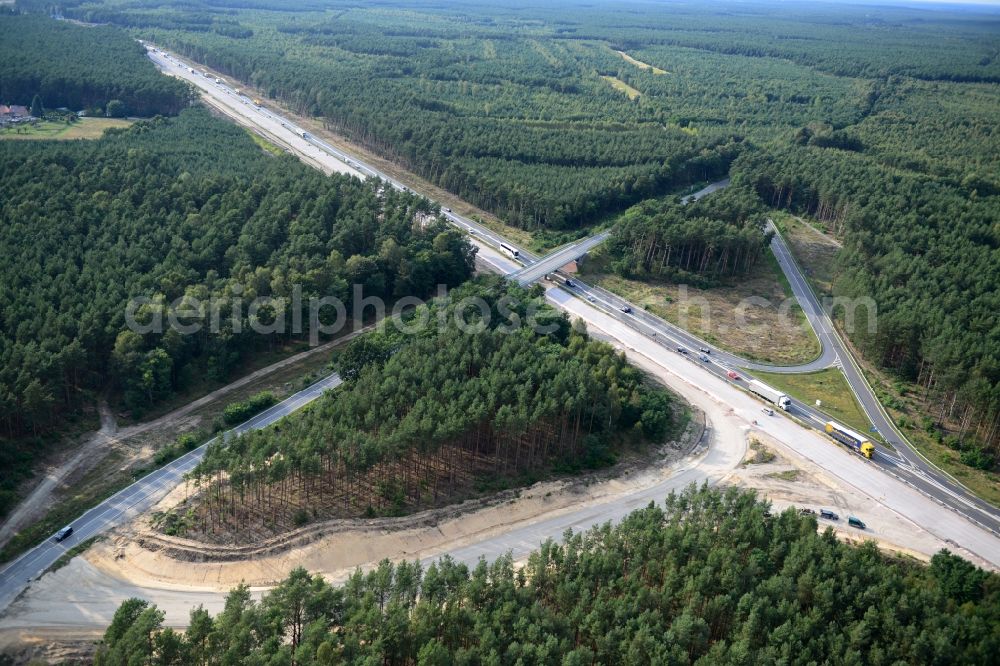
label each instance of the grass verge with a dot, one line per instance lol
(831, 388)
(78, 549)
(84, 128)
(905, 402)
(760, 330)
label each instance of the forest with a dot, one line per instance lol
(928, 253)
(429, 415)
(81, 68)
(172, 208)
(881, 123)
(718, 237)
(709, 577)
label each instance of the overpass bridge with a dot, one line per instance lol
(557, 259)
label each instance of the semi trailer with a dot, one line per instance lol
(771, 395)
(853, 440)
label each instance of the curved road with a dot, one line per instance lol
(917, 471)
(703, 382)
(138, 497)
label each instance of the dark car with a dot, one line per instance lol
(569, 283)
(705, 350)
(854, 522)
(829, 515)
(626, 309)
(681, 350)
(64, 533)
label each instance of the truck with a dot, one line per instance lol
(304, 134)
(771, 395)
(853, 440)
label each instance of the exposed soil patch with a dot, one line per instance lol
(754, 318)
(815, 250)
(452, 479)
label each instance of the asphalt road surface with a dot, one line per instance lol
(633, 329)
(138, 497)
(904, 461)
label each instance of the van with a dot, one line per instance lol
(854, 522)
(829, 515)
(64, 533)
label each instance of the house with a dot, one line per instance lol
(13, 114)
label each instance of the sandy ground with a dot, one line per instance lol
(95, 447)
(73, 604)
(92, 448)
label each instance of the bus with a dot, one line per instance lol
(855, 441)
(507, 249)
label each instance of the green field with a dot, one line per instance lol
(830, 387)
(84, 128)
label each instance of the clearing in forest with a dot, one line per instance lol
(618, 84)
(84, 128)
(640, 64)
(731, 316)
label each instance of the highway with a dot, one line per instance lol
(557, 259)
(139, 497)
(900, 479)
(903, 462)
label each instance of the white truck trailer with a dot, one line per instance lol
(771, 395)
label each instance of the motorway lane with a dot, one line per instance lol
(869, 477)
(557, 259)
(139, 497)
(286, 132)
(672, 339)
(723, 446)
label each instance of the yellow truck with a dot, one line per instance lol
(853, 440)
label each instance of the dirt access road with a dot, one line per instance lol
(95, 447)
(76, 602)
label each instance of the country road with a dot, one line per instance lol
(893, 481)
(138, 497)
(905, 464)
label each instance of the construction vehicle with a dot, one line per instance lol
(853, 440)
(773, 396)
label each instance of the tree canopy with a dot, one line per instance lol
(425, 415)
(182, 207)
(78, 67)
(708, 577)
